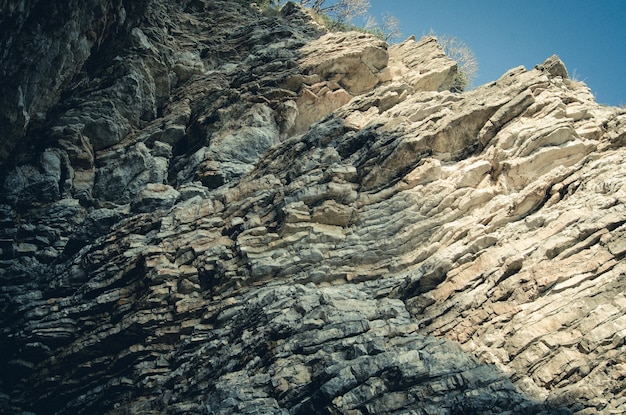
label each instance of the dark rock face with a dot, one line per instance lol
(210, 209)
(45, 46)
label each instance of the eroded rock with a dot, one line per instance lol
(277, 219)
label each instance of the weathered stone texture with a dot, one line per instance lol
(238, 212)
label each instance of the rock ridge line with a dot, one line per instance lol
(207, 208)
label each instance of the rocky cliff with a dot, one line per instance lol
(207, 208)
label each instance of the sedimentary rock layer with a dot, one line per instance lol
(224, 210)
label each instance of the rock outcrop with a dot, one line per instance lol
(221, 210)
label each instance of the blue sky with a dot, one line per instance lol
(589, 36)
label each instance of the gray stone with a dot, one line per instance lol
(125, 173)
(153, 197)
(236, 212)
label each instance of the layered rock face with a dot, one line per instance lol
(220, 210)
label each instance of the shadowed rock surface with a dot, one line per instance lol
(210, 209)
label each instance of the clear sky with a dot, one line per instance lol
(588, 35)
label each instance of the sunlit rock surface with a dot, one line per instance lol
(224, 211)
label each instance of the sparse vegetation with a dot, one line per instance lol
(339, 15)
(389, 30)
(458, 51)
(268, 7)
(340, 12)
